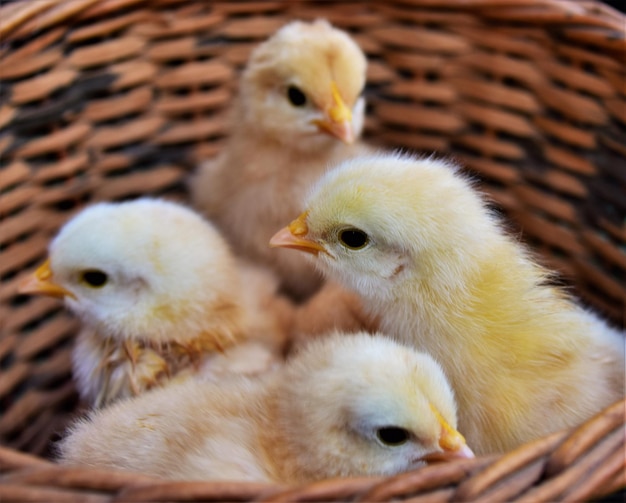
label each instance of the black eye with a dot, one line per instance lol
(353, 238)
(94, 277)
(296, 97)
(392, 435)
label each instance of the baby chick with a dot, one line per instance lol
(345, 405)
(157, 290)
(299, 111)
(419, 244)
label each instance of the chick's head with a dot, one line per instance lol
(141, 268)
(305, 80)
(379, 220)
(369, 406)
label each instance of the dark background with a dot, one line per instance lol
(618, 4)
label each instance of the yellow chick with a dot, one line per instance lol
(345, 405)
(420, 245)
(158, 292)
(299, 110)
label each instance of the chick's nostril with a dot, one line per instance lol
(299, 226)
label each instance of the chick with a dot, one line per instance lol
(299, 111)
(345, 405)
(158, 293)
(420, 245)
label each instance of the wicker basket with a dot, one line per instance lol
(111, 99)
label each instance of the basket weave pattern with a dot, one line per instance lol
(113, 99)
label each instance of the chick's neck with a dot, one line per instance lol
(273, 439)
(492, 303)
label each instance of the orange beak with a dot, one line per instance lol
(294, 236)
(338, 120)
(451, 441)
(40, 282)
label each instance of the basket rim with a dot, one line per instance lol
(556, 456)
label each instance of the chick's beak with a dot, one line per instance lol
(338, 118)
(40, 282)
(294, 236)
(451, 442)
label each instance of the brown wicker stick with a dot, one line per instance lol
(509, 488)
(195, 491)
(612, 419)
(15, 493)
(70, 477)
(567, 481)
(109, 8)
(615, 484)
(15, 15)
(326, 490)
(13, 460)
(526, 458)
(475, 480)
(60, 12)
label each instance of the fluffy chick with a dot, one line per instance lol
(158, 292)
(299, 111)
(420, 245)
(345, 405)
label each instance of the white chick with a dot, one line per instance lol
(158, 293)
(419, 244)
(346, 405)
(299, 111)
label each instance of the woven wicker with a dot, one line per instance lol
(111, 99)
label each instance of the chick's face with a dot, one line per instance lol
(101, 288)
(139, 268)
(380, 408)
(303, 86)
(391, 427)
(349, 241)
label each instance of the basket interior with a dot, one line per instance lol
(114, 99)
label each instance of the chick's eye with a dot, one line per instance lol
(353, 238)
(296, 97)
(392, 435)
(94, 278)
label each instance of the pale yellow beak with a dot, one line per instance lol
(338, 118)
(451, 441)
(40, 282)
(294, 236)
